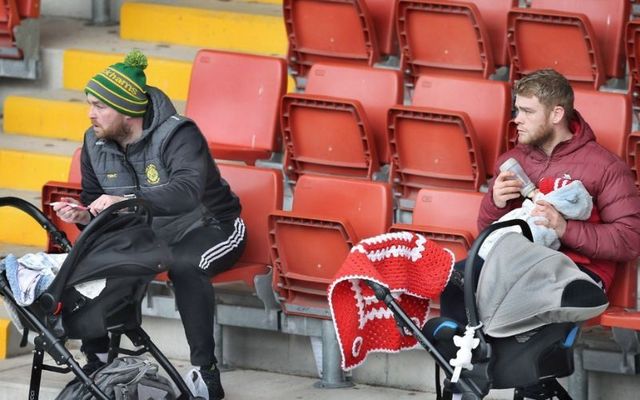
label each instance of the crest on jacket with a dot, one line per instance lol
(152, 174)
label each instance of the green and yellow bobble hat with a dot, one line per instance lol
(122, 86)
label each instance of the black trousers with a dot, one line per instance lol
(200, 255)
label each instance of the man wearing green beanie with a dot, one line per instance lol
(138, 146)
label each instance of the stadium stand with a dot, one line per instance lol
(309, 243)
(235, 98)
(443, 37)
(338, 126)
(533, 37)
(339, 32)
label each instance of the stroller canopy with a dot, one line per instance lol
(523, 286)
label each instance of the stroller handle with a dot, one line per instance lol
(49, 299)
(469, 284)
(57, 235)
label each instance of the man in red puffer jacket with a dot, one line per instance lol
(554, 141)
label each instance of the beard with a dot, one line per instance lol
(116, 132)
(539, 137)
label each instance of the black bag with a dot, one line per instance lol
(126, 378)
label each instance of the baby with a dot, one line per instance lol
(569, 197)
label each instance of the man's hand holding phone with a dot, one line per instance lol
(70, 210)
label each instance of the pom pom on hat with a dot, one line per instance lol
(123, 86)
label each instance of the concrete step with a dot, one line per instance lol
(72, 52)
(82, 8)
(19, 233)
(27, 163)
(56, 114)
(250, 27)
(239, 384)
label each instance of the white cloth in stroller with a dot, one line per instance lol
(521, 288)
(30, 275)
(573, 201)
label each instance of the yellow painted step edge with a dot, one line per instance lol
(5, 332)
(45, 118)
(19, 228)
(263, 34)
(171, 76)
(23, 170)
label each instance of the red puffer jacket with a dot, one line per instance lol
(597, 246)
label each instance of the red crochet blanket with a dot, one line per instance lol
(412, 267)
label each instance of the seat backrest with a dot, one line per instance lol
(235, 98)
(608, 19)
(448, 208)
(623, 291)
(486, 102)
(339, 32)
(28, 8)
(366, 205)
(261, 192)
(533, 36)
(633, 57)
(75, 172)
(382, 14)
(609, 115)
(327, 136)
(443, 37)
(376, 89)
(432, 147)
(493, 14)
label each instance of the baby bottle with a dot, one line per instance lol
(514, 166)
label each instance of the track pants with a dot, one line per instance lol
(198, 256)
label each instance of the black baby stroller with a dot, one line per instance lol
(530, 363)
(118, 246)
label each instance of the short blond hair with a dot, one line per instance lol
(550, 87)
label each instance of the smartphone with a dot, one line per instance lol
(72, 205)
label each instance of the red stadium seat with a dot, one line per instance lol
(623, 312)
(432, 148)
(493, 14)
(443, 37)
(609, 115)
(633, 57)
(260, 191)
(54, 191)
(534, 44)
(235, 98)
(310, 242)
(448, 217)
(338, 126)
(382, 14)
(608, 19)
(487, 103)
(329, 31)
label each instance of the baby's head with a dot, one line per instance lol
(548, 184)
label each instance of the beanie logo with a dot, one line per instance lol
(152, 174)
(112, 175)
(120, 81)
